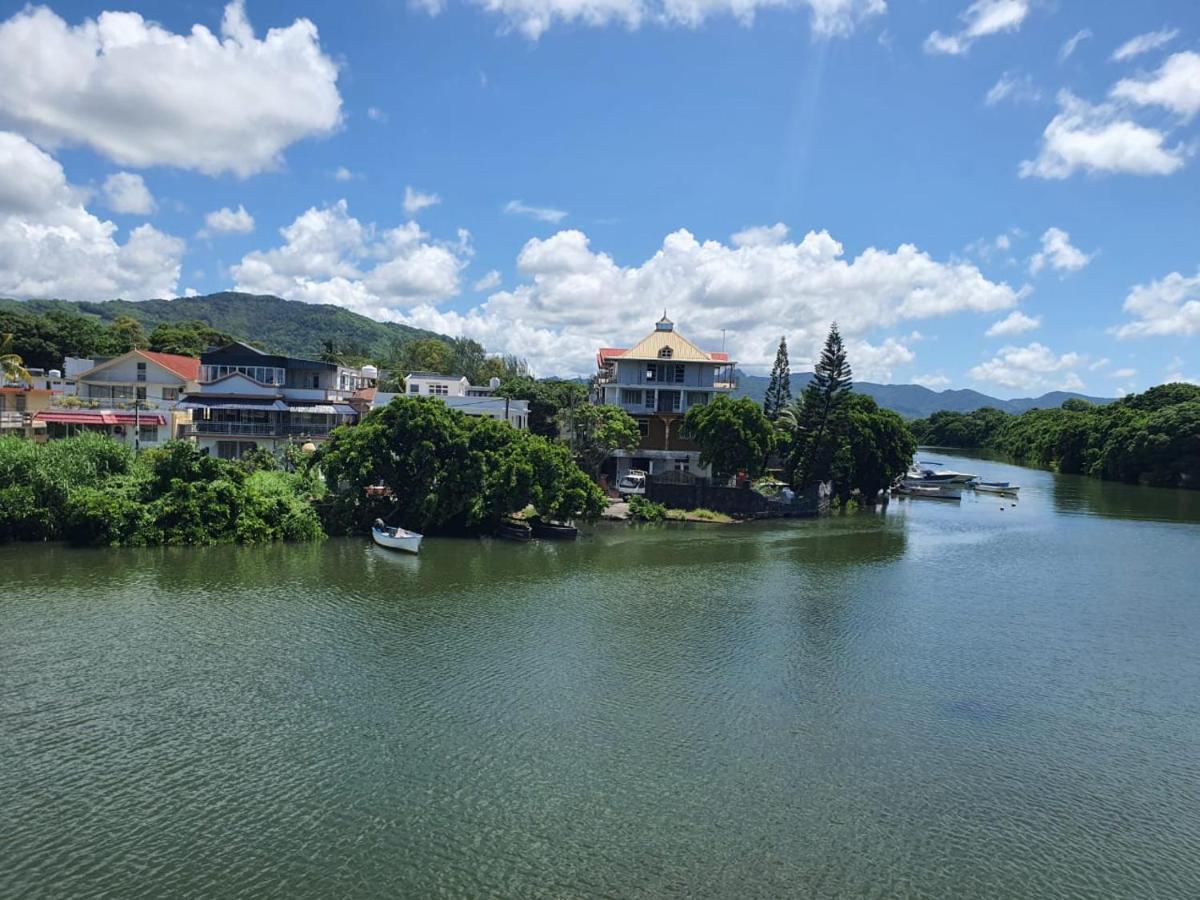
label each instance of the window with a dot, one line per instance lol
(682, 465)
(20, 398)
(644, 427)
(696, 398)
(141, 371)
(439, 390)
(677, 374)
(649, 400)
(316, 381)
(651, 372)
(141, 393)
(148, 434)
(170, 393)
(665, 353)
(414, 389)
(631, 398)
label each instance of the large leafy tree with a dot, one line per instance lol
(823, 418)
(779, 391)
(548, 400)
(594, 432)
(127, 334)
(877, 448)
(12, 367)
(733, 435)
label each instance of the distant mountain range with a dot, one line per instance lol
(283, 326)
(915, 402)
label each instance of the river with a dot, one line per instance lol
(985, 699)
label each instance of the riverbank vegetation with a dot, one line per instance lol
(92, 491)
(1150, 438)
(432, 468)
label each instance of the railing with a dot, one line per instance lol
(253, 428)
(12, 420)
(307, 429)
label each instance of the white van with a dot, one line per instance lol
(633, 482)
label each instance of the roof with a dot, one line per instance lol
(100, 417)
(186, 367)
(682, 350)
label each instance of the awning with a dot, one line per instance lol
(326, 409)
(263, 406)
(100, 417)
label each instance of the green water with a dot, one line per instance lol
(978, 700)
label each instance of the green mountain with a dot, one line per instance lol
(283, 326)
(915, 402)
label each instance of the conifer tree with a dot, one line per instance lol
(823, 414)
(779, 391)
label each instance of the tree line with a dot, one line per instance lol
(1150, 438)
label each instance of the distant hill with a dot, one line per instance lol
(283, 326)
(915, 402)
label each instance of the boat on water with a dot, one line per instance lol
(395, 538)
(996, 487)
(554, 531)
(933, 473)
(930, 491)
(514, 531)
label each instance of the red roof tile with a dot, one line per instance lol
(186, 367)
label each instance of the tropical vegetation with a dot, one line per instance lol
(1150, 438)
(733, 435)
(91, 490)
(594, 433)
(779, 390)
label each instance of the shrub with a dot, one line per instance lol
(645, 510)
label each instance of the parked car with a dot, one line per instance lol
(633, 482)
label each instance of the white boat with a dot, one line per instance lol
(931, 491)
(996, 487)
(922, 472)
(396, 538)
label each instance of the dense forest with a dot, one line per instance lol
(1149, 438)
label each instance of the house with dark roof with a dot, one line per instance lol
(657, 381)
(247, 399)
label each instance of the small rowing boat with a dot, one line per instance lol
(996, 487)
(395, 538)
(930, 492)
(554, 531)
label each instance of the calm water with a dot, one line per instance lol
(985, 700)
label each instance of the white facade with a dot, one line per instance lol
(515, 412)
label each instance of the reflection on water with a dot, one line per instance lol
(983, 699)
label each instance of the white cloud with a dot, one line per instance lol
(415, 201)
(1176, 86)
(51, 246)
(933, 382)
(375, 114)
(981, 18)
(574, 299)
(487, 282)
(1180, 378)
(875, 362)
(341, 173)
(144, 96)
(987, 249)
(191, 292)
(1099, 364)
(761, 236)
(1099, 139)
(532, 18)
(1072, 43)
(1144, 43)
(328, 256)
(1123, 374)
(229, 221)
(1034, 367)
(1168, 306)
(125, 192)
(1058, 253)
(541, 213)
(1016, 322)
(1014, 87)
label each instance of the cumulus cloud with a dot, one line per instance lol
(1013, 87)
(533, 18)
(933, 382)
(1058, 253)
(375, 114)
(541, 213)
(127, 193)
(981, 18)
(229, 221)
(1144, 43)
(1071, 44)
(1099, 139)
(1175, 86)
(1124, 374)
(143, 96)
(415, 201)
(487, 282)
(1168, 306)
(1034, 367)
(328, 256)
(1016, 322)
(574, 299)
(51, 246)
(341, 173)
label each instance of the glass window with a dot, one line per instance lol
(170, 393)
(665, 353)
(141, 393)
(644, 427)
(633, 398)
(678, 373)
(414, 389)
(148, 434)
(20, 398)
(649, 400)
(697, 398)
(141, 371)
(439, 390)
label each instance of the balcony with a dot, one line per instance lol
(12, 420)
(258, 429)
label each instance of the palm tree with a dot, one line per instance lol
(12, 367)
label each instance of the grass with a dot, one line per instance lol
(698, 515)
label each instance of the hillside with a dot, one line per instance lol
(916, 402)
(283, 326)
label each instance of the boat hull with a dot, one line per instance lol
(997, 488)
(405, 541)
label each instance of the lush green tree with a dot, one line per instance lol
(127, 334)
(779, 391)
(547, 400)
(823, 424)
(733, 435)
(878, 448)
(186, 338)
(594, 432)
(12, 367)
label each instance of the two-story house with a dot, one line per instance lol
(131, 398)
(458, 393)
(248, 400)
(657, 381)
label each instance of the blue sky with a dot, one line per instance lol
(926, 173)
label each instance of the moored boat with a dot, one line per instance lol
(930, 491)
(395, 538)
(514, 531)
(996, 487)
(554, 531)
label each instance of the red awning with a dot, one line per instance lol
(99, 418)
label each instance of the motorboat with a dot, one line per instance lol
(554, 531)
(930, 491)
(395, 538)
(925, 472)
(514, 531)
(996, 487)
(944, 487)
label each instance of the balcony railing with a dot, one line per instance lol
(252, 428)
(12, 420)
